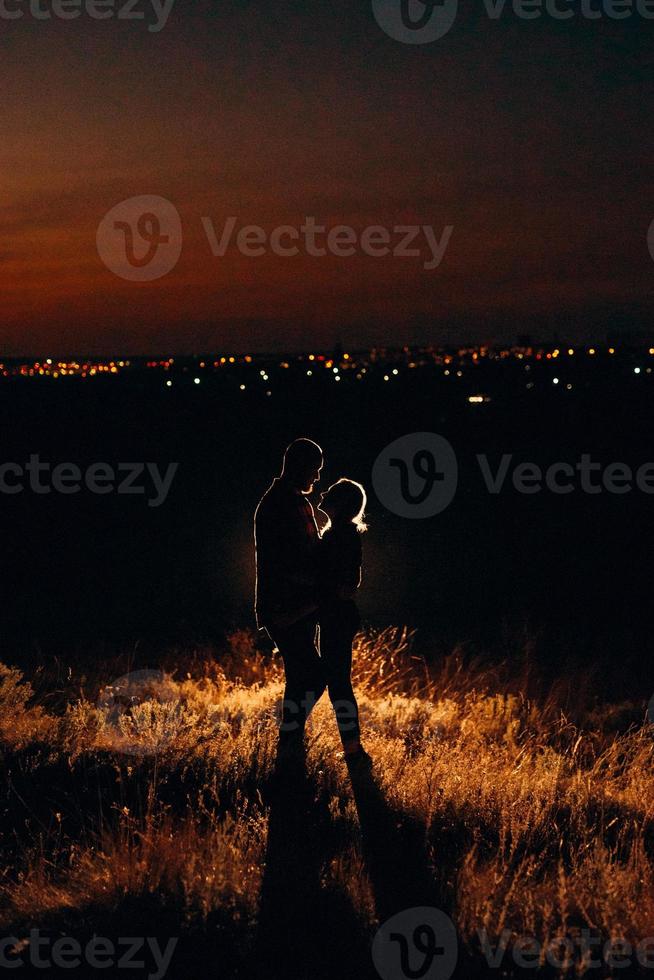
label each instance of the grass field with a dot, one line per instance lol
(518, 811)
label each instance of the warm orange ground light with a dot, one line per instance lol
(561, 810)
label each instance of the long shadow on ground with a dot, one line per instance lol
(307, 931)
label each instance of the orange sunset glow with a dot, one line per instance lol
(231, 110)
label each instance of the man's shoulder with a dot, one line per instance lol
(276, 496)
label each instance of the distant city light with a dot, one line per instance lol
(379, 363)
(555, 381)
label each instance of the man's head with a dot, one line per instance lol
(302, 464)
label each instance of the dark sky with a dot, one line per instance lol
(531, 138)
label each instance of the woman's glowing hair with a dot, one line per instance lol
(348, 499)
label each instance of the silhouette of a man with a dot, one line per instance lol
(286, 541)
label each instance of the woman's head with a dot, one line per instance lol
(345, 502)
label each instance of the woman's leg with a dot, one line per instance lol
(336, 652)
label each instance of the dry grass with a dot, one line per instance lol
(529, 823)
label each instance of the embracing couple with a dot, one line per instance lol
(307, 580)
